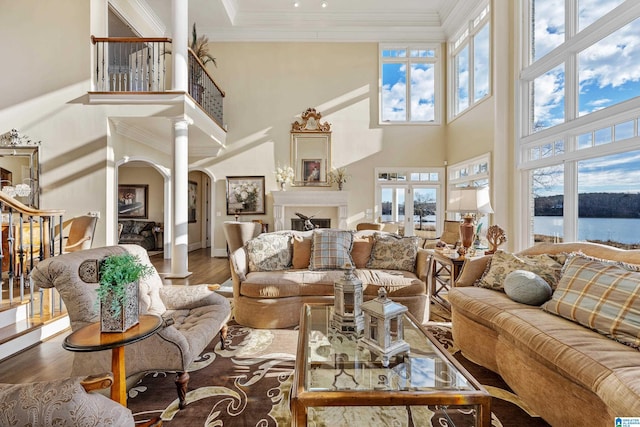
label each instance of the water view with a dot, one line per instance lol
(622, 230)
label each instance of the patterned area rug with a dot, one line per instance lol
(248, 384)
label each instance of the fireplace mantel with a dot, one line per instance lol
(282, 199)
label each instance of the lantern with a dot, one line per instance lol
(383, 330)
(347, 303)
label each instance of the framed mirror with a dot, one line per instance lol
(20, 170)
(311, 150)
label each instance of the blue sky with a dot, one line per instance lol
(608, 73)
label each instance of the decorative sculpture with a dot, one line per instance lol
(495, 236)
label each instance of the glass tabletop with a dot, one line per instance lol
(338, 362)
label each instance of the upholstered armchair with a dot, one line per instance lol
(193, 315)
(68, 401)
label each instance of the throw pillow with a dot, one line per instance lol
(527, 287)
(393, 252)
(503, 263)
(301, 252)
(269, 252)
(361, 251)
(330, 249)
(601, 296)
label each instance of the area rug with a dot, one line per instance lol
(248, 384)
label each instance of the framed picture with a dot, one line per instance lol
(133, 201)
(311, 170)
(245, 195)
(193, 200)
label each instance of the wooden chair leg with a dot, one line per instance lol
(223, 335)
(182, 380)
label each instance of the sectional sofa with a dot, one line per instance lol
(573, 360)
(274, 274)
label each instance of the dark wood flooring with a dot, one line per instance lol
(50, 361)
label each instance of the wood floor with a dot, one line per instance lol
(50, 361)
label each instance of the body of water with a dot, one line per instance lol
(623, 230)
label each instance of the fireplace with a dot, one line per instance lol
(298, 223)
(310, 200)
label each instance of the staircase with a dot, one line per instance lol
(27, 316)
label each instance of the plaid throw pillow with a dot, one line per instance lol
(602, 296)
(330, 249)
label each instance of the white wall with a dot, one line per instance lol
(269, 84)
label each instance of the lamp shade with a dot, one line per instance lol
(470, 200)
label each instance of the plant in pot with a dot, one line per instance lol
(118, 291)
(200, 47)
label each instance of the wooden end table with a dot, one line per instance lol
(89, 338)
(443, 271)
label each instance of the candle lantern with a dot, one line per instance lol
(383, 330)
(347, 303)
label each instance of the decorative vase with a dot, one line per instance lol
(467, 231)
(282, 186)
(340, 184)
(110, 321)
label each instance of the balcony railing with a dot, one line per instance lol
(141, 65)
(27, 237)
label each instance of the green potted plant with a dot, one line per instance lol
(200, 47)
(118, 291)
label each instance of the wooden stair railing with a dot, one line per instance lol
(27, 237)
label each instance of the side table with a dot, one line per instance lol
(89, 338)
(443, 271)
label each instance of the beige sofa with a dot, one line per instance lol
(272, 297)
(568, 374)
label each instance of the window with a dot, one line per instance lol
(578, 150)
(409, 78)
(470, 173)
(412, 199)
(470, 59)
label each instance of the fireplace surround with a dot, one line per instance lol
(295, 199)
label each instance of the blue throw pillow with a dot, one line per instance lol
(527, 287)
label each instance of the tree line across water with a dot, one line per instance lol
(592, 205)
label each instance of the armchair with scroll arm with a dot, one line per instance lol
(66, 401)
(193, 314)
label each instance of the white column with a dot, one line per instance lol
(180, 37)
(179, 178)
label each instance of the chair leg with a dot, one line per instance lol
(182, 380)
(223, 335)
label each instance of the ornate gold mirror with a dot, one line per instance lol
(311, 150)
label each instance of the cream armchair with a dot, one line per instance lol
(68, 401)
(193, 315)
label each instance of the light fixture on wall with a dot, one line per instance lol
(324, 4)
(296, 4)
(471, 202)
(14, 139)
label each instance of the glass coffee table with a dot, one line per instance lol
(335, 379)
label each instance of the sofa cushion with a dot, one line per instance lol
(502, 263)
(393, 252)
(330, 249)
(527, 287)
(269, 252)
(361, 251)
(601, 296)
(301, 252)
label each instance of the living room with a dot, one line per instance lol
(90, 147)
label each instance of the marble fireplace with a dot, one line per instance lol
(285, 203)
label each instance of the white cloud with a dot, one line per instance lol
(613, 61)
(548, 97)
(549, 26)
(591, 10)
